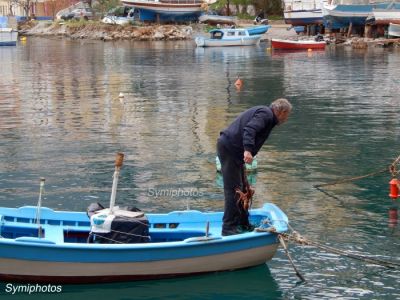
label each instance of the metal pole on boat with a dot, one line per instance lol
(39, 206)
(118, 164)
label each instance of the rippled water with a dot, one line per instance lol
(61, 118)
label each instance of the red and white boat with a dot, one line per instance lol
(297, 45)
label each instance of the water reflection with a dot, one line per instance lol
(61, 118)
(254, 283)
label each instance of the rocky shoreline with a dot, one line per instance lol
(156, 32)
(106, 32)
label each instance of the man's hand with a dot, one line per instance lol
(247, 157)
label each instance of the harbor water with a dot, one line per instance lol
(61, 118)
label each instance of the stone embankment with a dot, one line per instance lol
(106, 32)
(110, 32)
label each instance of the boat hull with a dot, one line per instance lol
(303, 17)
(394, 30)
(163, 11)
(245, 41)
(297, 45)
(256, 30)
(216, 19)
(78, 272)
(386, 16)
(180, 246)
(339, 16)
(8, 37)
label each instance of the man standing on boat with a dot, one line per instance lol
(237, 145)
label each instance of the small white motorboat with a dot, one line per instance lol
(228, 37)
(8, 37)
(394, 30)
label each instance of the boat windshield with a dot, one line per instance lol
(217, 35)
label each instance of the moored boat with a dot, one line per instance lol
(175, 244)
(217, 19)
(228, 37)
(388, 15)
(168, 10)
(38, 244)
(297, 45)
(8, 37)
(300, 13)
(342, 15)
(394, 30)
(260, 29)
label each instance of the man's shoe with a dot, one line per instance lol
(238, 230)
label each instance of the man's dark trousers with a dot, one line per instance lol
(235, 216)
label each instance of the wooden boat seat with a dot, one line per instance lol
(54, 233)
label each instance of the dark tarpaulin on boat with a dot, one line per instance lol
(124, 229)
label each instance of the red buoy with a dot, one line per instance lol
(394, 188)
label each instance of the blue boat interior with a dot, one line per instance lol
(20, 225)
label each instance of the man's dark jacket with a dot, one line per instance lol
(249, 131)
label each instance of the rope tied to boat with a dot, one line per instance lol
(392, 169)
(297, 238)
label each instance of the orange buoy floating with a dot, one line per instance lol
(238, 82)
(394, 188)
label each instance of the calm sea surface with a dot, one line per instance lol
(61, 118)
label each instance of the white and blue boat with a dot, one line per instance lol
(260, 29)
(168, 10)
(8, 37)
(394, 30)
(342, 15)
(302, 12)
(38, 244)
(388, 15)
(232, 37)
(179, 243)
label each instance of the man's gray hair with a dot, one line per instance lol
(281, 104)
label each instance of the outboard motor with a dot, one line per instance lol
(261, 19)
(319, 37)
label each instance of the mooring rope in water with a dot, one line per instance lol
(301, 240)
(297, 238)
(392, 169)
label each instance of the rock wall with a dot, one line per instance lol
(107, 32)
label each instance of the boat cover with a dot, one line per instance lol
(124, 226)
